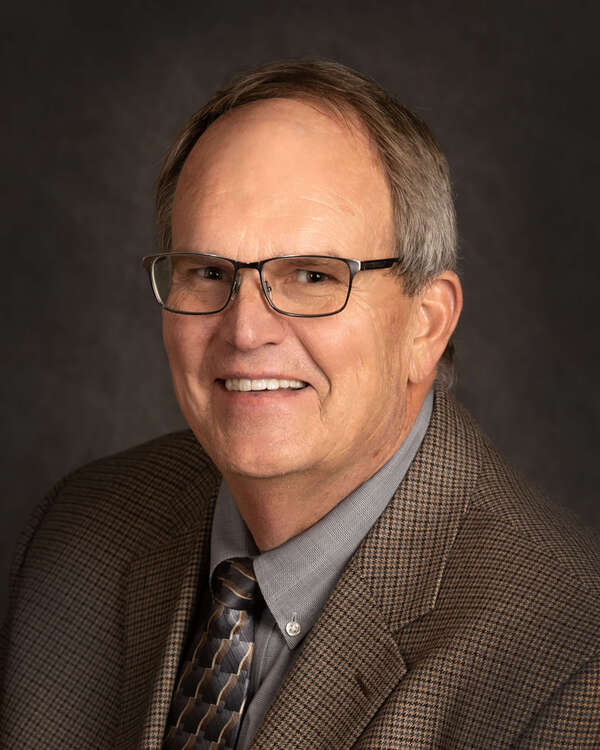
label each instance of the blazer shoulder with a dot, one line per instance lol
(171, 461)
(130, 501)
(534, 521)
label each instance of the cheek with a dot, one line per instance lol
(356, 354)
(331, 347)
(185, 343)
(174, 342)
(373, 358)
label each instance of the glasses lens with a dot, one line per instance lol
(192, 283)
(307, 284)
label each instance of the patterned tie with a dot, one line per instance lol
(212, 685)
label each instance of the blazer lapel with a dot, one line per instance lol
(351, 660)
(344, 670)
(160, 598)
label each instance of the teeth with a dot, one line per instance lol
(262, 384)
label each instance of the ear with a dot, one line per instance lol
(437, 310)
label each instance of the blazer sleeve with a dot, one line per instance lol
(571, 718)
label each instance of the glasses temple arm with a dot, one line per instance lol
(367, 265)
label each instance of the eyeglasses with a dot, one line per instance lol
(303, 286)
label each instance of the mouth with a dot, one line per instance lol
(263, 384)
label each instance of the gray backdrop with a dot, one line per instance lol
(94, 94)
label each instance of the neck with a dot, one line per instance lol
(276, 509)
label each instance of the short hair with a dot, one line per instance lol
(414, 165)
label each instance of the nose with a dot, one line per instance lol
(248, 321)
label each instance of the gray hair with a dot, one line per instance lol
(415, 167)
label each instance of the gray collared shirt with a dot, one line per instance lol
(297, 577)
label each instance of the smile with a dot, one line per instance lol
(262, 384)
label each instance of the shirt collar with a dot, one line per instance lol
(297, 577)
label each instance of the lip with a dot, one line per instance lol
(239, 405)
(259, 376)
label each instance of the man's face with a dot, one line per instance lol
(273, 178)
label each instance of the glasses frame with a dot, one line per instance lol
(354, 266)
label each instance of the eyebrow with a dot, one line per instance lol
(330, 252)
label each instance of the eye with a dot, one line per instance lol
(311, 277)
(212, 273)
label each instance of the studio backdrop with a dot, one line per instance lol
(94, 95)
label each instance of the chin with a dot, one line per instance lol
(256, 464)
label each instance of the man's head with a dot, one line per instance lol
(414, 166)
(273, 166)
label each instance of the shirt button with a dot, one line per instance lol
(293, 626)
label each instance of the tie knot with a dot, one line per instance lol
(235, 585)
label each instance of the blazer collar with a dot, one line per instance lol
(403, 558)
(350, 661)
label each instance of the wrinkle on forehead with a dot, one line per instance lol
(270, 120)
(287, 156)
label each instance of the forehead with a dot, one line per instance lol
(280, 164)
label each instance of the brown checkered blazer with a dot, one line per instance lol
(469, 617)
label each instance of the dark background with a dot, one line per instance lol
(94, 94)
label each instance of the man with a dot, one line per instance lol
(336, 557)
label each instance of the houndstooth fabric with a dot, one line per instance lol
(469, 617)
